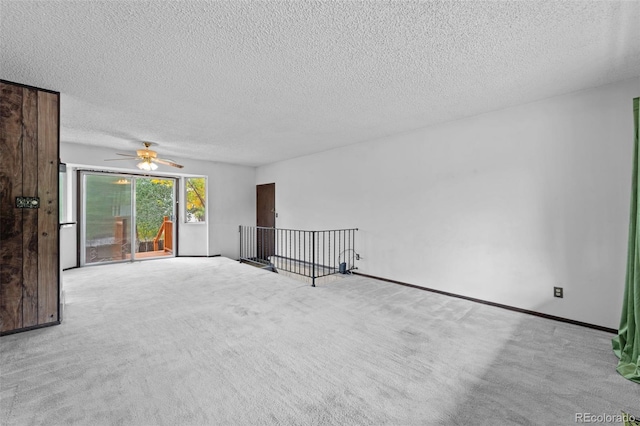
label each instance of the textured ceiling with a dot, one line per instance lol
(257, 82)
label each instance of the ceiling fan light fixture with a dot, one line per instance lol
(147, 165)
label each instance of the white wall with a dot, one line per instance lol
(501, 207)
(230, 202)
(233, 195)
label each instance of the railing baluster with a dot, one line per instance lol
(329, 251)
(353, 248)
(298, 232)
(321, 249)
(313, 259)
(289, 252)
(329, 233)
(339, 248)
(333, 259)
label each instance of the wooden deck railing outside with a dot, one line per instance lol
(166, 230)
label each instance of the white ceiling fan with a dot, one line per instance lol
(148, 159)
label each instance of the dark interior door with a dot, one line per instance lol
(265, 218)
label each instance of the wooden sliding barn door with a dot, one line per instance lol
(29, 231)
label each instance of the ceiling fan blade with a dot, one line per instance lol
(167, 162)
(120, 159)
(127, 155)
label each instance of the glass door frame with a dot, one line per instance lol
(172, 216)
(82, 214)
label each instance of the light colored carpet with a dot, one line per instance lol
(196, 341)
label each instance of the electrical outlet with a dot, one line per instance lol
(557, 292)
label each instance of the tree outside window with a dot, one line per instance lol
(196, 195)
(154, 201)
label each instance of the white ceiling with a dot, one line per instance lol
(256, 82)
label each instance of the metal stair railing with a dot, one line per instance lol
(313, 254)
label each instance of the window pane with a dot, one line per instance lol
(107, 209)
(154, 201)
(62, 197)
(196, 195)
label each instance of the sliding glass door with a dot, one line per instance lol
(126, 217)
(154, 217)
(107, 215)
